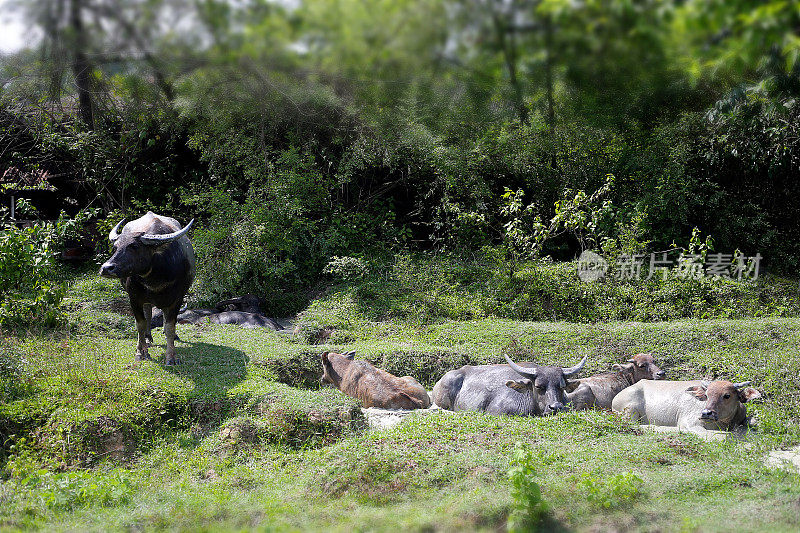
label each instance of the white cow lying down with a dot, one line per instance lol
(700, 407)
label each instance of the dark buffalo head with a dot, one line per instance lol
(133, 251)
(641, 366)
(723, 399)
(546, 383)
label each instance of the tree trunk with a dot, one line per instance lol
(548, 74)
(508, 45)
(81, 66)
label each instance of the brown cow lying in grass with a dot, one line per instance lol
(373, 386)
(598, 391)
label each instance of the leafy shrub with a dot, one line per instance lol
(611, 492)
(27, 294)
(69, 490)
(346, 268)
(528, 507)
(14, 383)
(424, 288)
(30, 291)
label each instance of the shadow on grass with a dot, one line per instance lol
(214, 369)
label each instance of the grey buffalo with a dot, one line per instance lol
(249, 303)
(154, 260)
(598, 391)
(243, 319)
(505, 389)
(695, 406)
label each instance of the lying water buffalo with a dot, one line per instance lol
(187, 316)
(193, 316)
(154, 260)
(212, 316)
(373, 386)
(598, 391)
(243, 319)
(249, 303)
(696, 406)
(498, 389)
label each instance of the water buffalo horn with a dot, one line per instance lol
(571, 371)
(741, 385)
(149, 238)
(114, 233)
(521, 369)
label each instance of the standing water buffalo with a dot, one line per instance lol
(498, 389)
(695, 406)
(598, 391)
(154, 260)
(373, 386)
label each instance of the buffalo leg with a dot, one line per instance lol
(143, 329)
(170, 318)
(148, 315)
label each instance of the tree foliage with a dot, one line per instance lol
(346, 128)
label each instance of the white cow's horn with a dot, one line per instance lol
(741, 385)
(531, 372)
(113, 235)
(151, 238)
(571, 371)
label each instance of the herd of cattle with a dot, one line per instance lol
(155, 262)
(635, 389)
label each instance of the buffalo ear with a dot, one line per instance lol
(625, 366)
(748, 394)
(324, 357)
(572, 385)
(350, 355)
(520, 385)
(698, 391)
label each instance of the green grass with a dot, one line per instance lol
(240, 437)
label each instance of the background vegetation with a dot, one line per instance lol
(298, 132)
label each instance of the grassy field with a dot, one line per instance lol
(240, 436)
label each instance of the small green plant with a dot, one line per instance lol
(68, 490)
(14, 383)
(579, 214)
(528, 507)
(346, 268)
(612, 491)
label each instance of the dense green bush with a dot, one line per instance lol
(30, 289)
(426, 289)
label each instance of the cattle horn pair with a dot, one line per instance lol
(570, 371)
(150, 238)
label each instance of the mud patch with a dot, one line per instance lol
(378, 418)
(787, 459)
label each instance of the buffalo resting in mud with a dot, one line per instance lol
(510, 389)
(154, 260)
(375, 387)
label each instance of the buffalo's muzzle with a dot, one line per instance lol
(708, 414)
(553, 408)
(108, 270)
